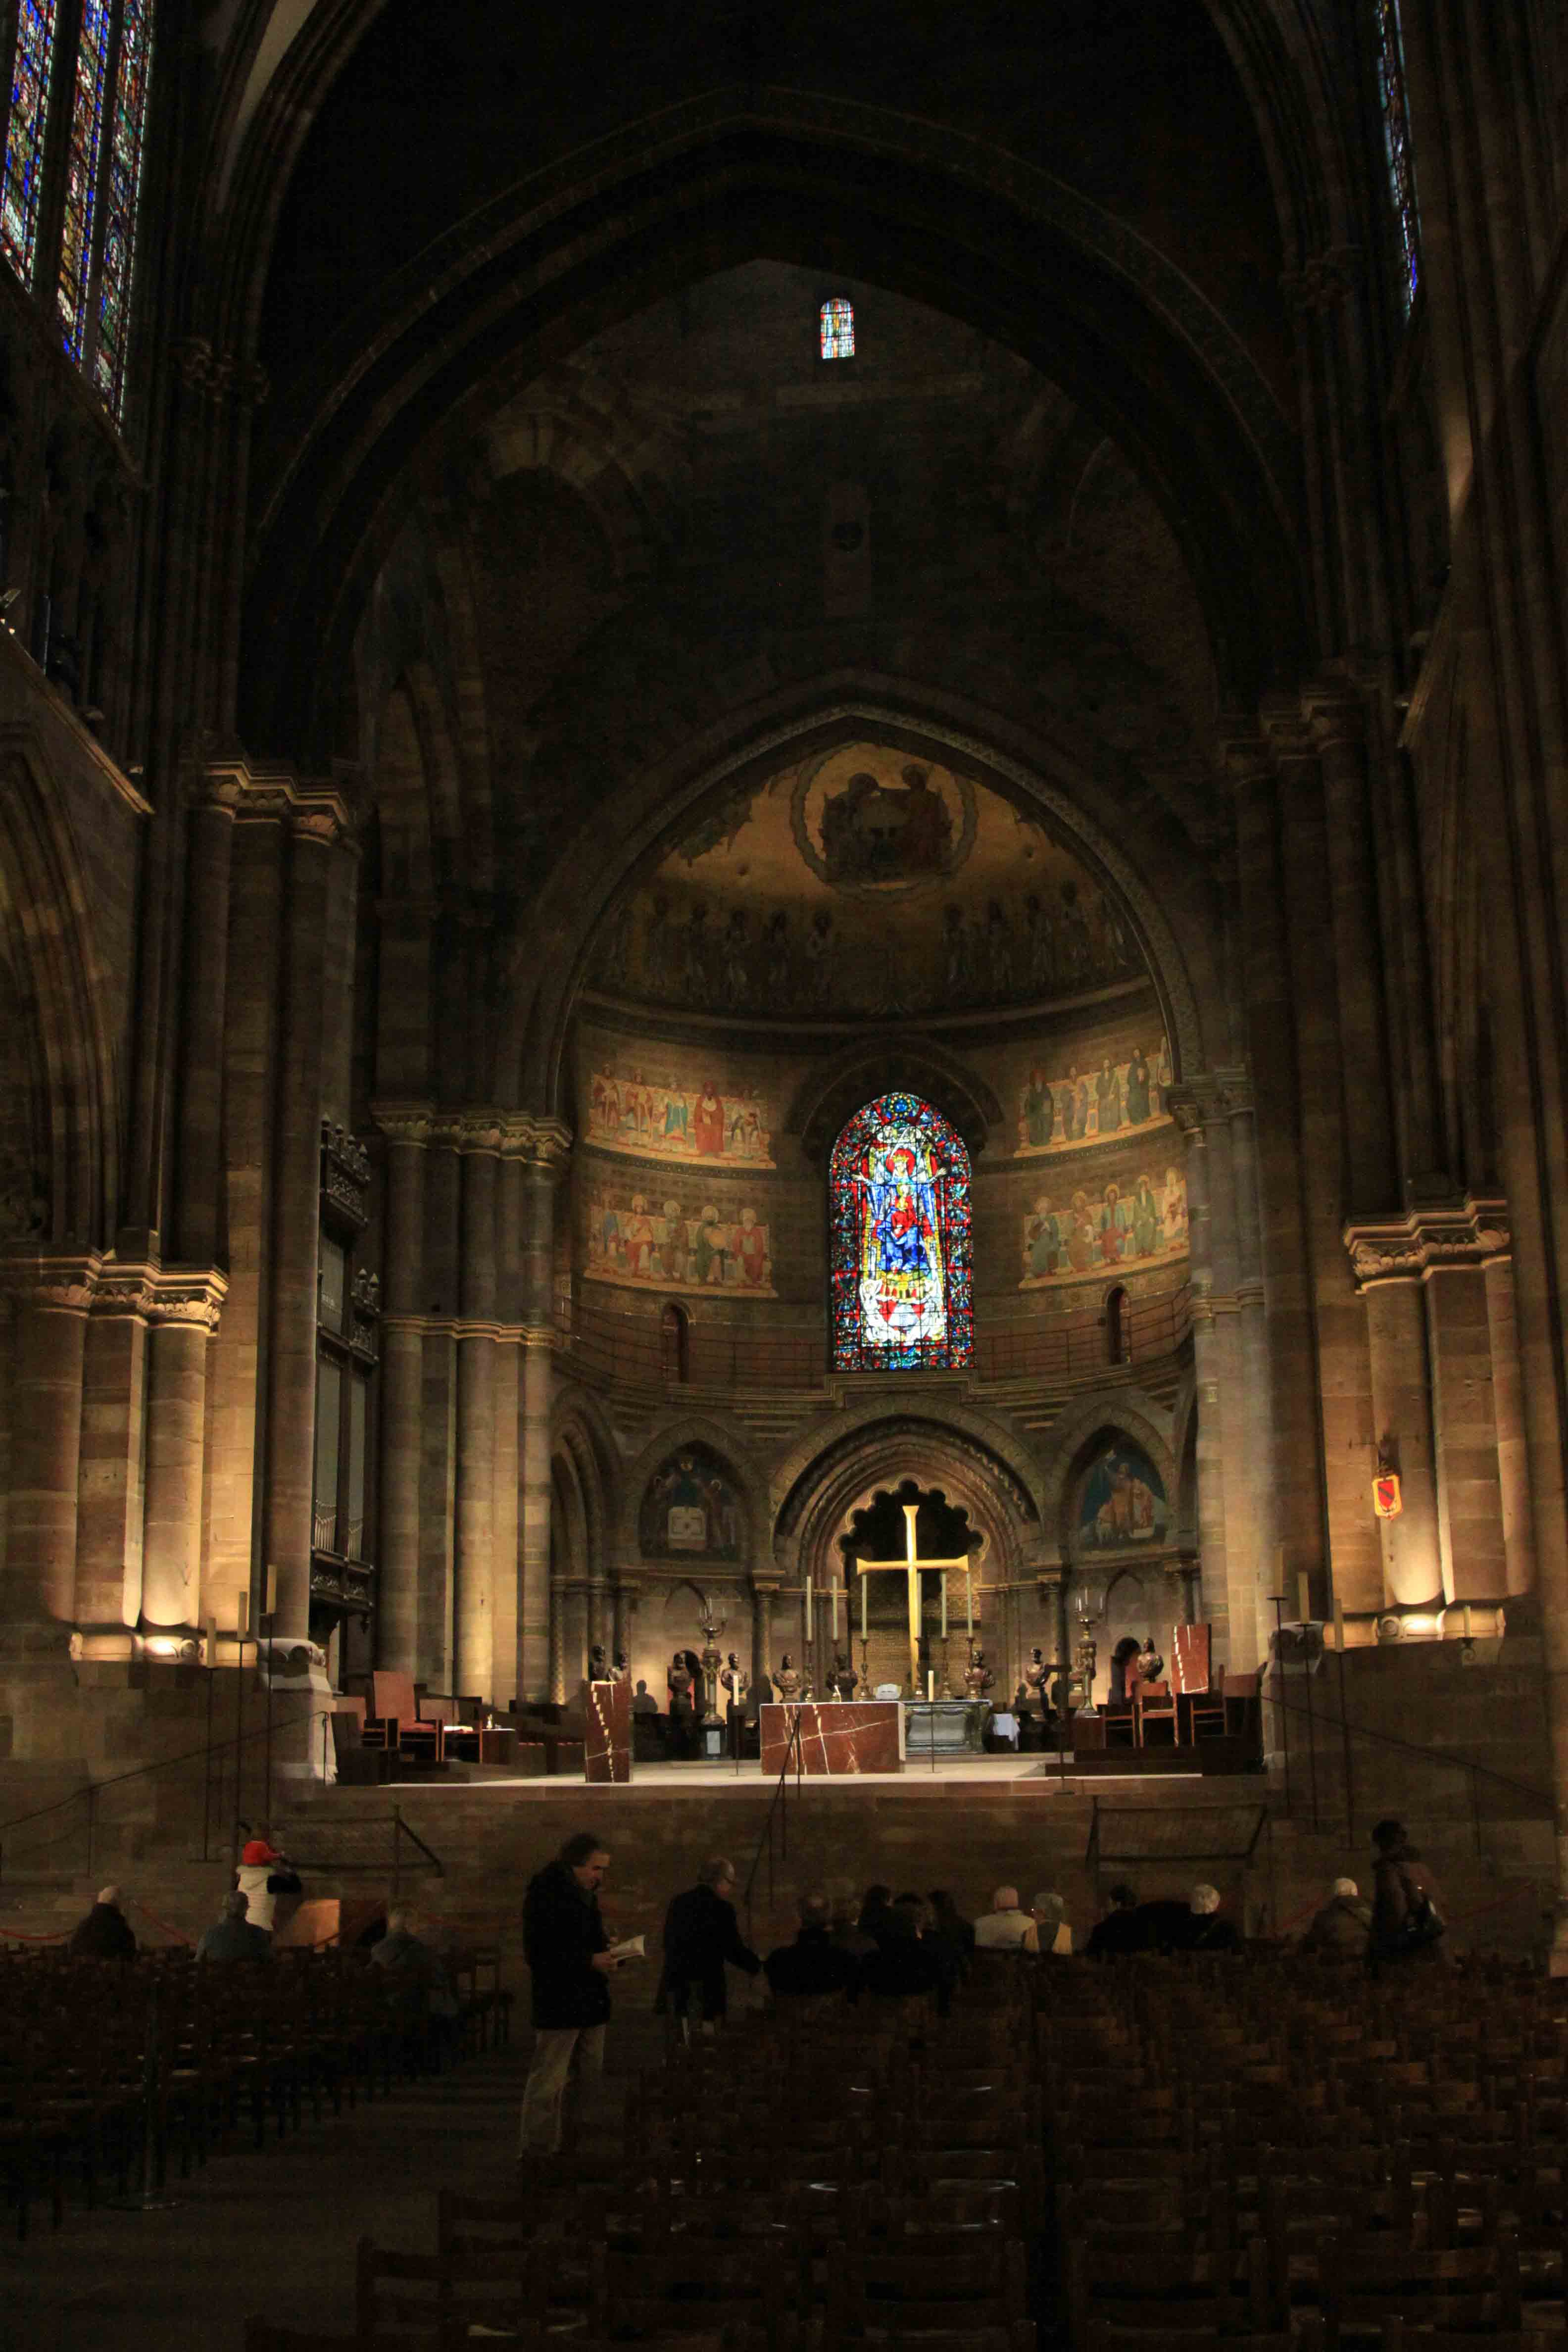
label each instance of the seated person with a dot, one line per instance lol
(950, 1928)
(644, 1701)
(1340, 1930)
(1208, 1929)
(1004, 1927)
(105, 1934)
(875, 1905)
(234, 1937)
(1049, 1931)
(1121, 1930)
(906, 1965)
(415, 1968)
(813, 1965)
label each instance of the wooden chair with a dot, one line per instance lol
(395, 1721)
(1205, 1710)
(1153, 1703)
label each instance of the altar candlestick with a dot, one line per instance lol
(862, 1609)
(944, 1605)
(931, 1686)
(969, 1604)
(833, 1601)
(1304, 1594)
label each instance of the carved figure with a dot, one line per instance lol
(791, 1686)
(978, 1678)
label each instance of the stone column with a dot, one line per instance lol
(316, 829)
(110, 1482)
(38, 1600)
(185, 1310)
(1390, 1280)
(434, 1656)
(474, 1560)
(198, 1166)
(508, 1408)
(1255, 1399)
(1508, 1403)
(1208, 1380)
(406, 1126)
(543, 1145)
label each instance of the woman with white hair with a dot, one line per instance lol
(1340, 1930)
(1049, 1929)
(1207, 1928)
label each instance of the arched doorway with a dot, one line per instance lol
(952, 1610)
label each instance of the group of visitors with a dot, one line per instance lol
(266, 1889)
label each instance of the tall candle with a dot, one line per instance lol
(968, 1602)
(809, 1629)
(833, 1599)
(862, 1609)
(1338, 1625)
(931, 1685)
(944, 1605)
(1303, 1594)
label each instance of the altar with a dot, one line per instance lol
(945, 1726)
(835, 1736)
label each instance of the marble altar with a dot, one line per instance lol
(607, 1732)
(836, 1736)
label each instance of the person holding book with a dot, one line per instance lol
(570, 1963)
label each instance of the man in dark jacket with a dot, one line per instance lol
(1121, 1930)
(106, 1933)
(813, 1965)
(700, 1933)
(234, 1937)
(569, 1958)
(905, 1965)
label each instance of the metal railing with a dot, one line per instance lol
(629, 1351)
(778, 1808)
(1337, 1728)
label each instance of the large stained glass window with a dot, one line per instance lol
(899, 1241)
(837, 324)
(82, 172)
(121, 189)
(1396, 147)
(25, 128)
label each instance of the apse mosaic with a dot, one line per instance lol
(1124, 1500)
(690, 1507)
(1133, 1224)
(864, 882)
(653, 1115)
(899, 1202)
(661, 1242)
(1087, 1105)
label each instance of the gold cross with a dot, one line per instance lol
(911, 1565)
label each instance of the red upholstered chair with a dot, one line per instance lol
(1153, 1703)
(395, 1720)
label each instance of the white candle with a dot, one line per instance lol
(1304, 1594)
(931, 1685)
(944, 1605)
(969, 1603)
(833, 1601)
(809, 1611)
(862, 1608)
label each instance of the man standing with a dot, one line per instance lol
(568, 1955)
(701, 1934)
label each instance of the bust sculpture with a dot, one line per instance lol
(1034, 1681)
(843, 1680)
(789, 1680)
(977, 1676)
(732, 1682)
(598, 1664)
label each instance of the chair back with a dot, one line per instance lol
(392, 1694)
(1189, 1654)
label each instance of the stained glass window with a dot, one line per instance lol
(1396, 145)
(82, 172)
(838, 329)
(120, 190)
(900, 1240)
(25, 125)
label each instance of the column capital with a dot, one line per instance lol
(190, 1295)
(268, 791)
(538, 1142)
(1430, 1237)
(66, 1280)
(404, 1122)
(1206, 1098)
(480, 1131)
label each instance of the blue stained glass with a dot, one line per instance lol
(838, 329)
(82, 172)
(900, 1245)
(1397, 152)
(127, 125)
(26, 126)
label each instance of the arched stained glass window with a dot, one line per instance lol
(122, 188)
(900, 1240)
(82, 172)
(838, 322)
(1397, 152)
(31, 61)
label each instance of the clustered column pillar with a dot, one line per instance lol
(1207, 1375)
(184, 1315)
(474, 1561)
(541, 1634)
(506, 1505)
(37, 1598)
(406, 1126)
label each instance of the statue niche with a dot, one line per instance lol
(691, 1509)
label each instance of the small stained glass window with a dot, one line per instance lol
(121, 190)
(1396, 147)
(899, 1244)
(839, 328)
(82, 172)
(24, 170)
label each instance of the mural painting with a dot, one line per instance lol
(872, 833)
(661, 1119)
(1140, 1222)
(1061, 1114)
(1124, 1500)
(690, 1507)
(666, 1243)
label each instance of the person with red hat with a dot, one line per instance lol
(264, 1873)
